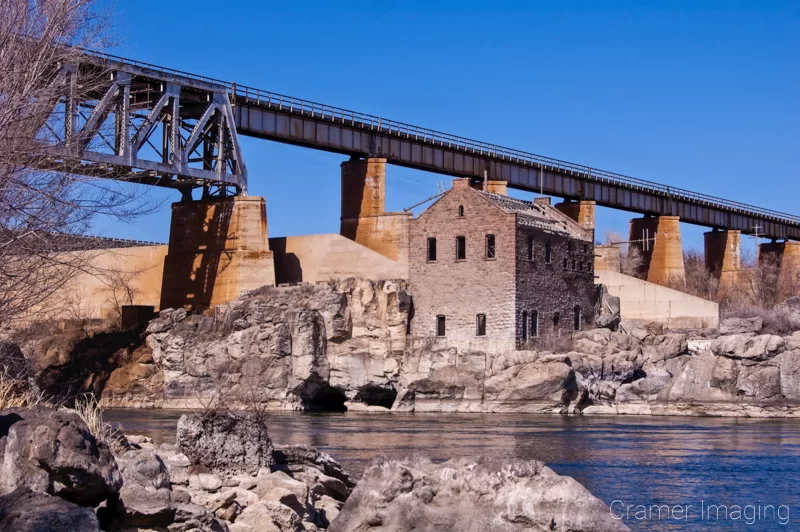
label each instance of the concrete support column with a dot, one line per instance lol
(781, 261)
(218, 248)
(364, 217)
(658, 241)
(723, 255)
(581, 211)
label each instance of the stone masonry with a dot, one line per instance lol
(505, 288)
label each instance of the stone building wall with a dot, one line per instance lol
(555, 287)
(460, 290)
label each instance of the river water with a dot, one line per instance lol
(691, 463)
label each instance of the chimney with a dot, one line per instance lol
(544, 200)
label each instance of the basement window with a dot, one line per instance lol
(534, 324)
(490, 251)
(460, 211)
(530, 248)
(480, 325)
(578, 318)
(431, 249)
(548, 255)
(461, 248)
(440, 325)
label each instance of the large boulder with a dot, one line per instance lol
(741, 325)
(24, 510)
(742, 346)
(461, 495)
(52, 451)
(226, 442)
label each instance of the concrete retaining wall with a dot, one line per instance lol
(313, 258)
(640, 300)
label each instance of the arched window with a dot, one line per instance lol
(480, 325)
(460, 211)
(440, 325)
(578, 318)
(534, 324)
(524, 324)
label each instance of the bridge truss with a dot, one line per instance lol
(144, 126)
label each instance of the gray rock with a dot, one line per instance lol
(291, 455)
(226, 442)
(461, 495)
(742, 346)
(52, 451)
(145, 468)
(24, 510)
(664, 347)
(740, 325)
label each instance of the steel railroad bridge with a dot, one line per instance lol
(199, 119)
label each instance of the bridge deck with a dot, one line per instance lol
(291, 120)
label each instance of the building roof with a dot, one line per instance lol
(543, 217)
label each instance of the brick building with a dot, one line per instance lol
(492, 273)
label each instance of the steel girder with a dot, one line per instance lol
(145, 126)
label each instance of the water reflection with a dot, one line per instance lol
(637, 460)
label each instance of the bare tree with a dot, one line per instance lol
(120, 291)
(41, 209)
(631, 259)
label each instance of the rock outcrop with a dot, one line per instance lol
(303, 347)
(344, 345)
(465, 495)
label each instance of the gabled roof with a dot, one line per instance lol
(543, 217)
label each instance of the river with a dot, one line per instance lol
(626, 461)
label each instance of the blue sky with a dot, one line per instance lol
(699, 94)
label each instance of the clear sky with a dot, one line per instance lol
(700, 94)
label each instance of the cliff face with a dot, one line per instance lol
(345, 345)
(311, 346)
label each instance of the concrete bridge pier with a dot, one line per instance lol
(581, 211)
(364, 217)
(781, 260)
(658, 241)
(723, 255)
(218, 248)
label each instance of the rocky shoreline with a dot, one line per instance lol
(343, 345)
(224, 474)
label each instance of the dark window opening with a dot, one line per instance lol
(586, 248)
(574, 265)
(547, 252)
(461, 248)
(565, 263)
(431, 249)
(535, 324)
(440, 327)
(578, 318)
(569, 245)
(460, 211)
(530, 248)
(580, 266)
(480, 325)
(490, 253)
(556, 319)
(524, 324)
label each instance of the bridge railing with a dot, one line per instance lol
(399, 129)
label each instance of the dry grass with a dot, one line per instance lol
(17, 394)
(88, 409)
